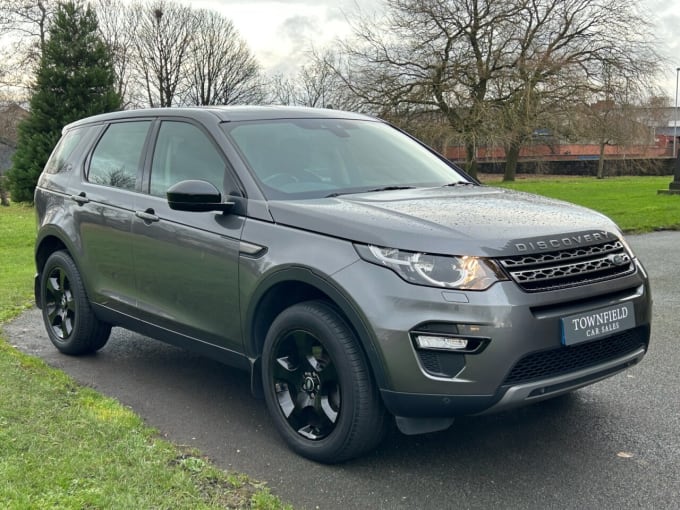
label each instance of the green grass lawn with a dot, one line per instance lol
(17, 234)
(632, 202)
(63, 446)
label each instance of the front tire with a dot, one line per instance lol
(67, 314)
(317, 385)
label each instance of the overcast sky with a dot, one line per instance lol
(280, 31)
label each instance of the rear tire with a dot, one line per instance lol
(67, 314)
(317, 385)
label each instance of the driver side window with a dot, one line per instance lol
(184, 152)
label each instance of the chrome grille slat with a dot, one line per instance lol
(571, 254)
(569, 268)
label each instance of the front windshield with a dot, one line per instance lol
(314, 158)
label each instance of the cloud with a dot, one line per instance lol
(299, 28)
(666, 18)
(298, 33)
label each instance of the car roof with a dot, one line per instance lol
(225, 113)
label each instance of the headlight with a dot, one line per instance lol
(465, 273)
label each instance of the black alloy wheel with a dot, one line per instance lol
(318, 386)
(70, 322)
(306, 384)
(59, 304)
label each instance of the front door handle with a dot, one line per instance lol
(80, 198)
(149, 216)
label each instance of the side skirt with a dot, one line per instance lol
(226, 356)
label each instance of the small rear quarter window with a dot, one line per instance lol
(59, 159)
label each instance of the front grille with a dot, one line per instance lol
(569, 268)
(545, 364)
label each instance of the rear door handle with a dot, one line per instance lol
(148, 216)
(80, 198)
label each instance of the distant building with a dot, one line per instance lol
(652, 132)
(665, 123)
(11, 114)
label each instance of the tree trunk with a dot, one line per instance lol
(600, 162)
(511, 158)
(470, 159)
(4, 198)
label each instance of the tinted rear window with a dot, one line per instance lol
(117, 157)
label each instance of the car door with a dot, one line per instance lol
(187, 262)
(105, 199)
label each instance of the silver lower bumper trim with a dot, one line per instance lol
(523, 394)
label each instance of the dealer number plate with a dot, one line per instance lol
(597, 323)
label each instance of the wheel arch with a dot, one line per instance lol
(46, 247)
(47, 243)
(295, 285)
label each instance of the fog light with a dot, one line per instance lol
(446, 343)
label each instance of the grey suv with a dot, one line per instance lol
(353, 272)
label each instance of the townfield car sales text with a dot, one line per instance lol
(602, 322)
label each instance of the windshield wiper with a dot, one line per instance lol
(458, 183)
(389, 188)
(384, 188)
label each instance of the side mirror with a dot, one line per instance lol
(196, 196)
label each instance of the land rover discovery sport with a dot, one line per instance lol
(354, 273)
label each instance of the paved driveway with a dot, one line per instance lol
(612, 445)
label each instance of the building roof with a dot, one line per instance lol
(11, 114)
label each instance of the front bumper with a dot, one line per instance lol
(517, 326)
(507, 397)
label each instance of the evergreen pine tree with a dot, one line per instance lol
(75, 79)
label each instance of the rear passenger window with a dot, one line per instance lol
(184, 152)
(118, 154)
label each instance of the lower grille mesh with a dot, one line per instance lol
(562, 360)
(440, 363)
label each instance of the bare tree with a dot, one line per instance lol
(567, 50)
(23, 25)
(162, 45)
(117, 23)
(282, 90)
(613, 116)
(490, 65)
(221, 67)
(316, 84)
(434, 54)
(165, 53)
(28, 20)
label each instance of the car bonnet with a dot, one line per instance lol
(470, 220)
